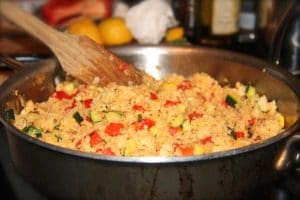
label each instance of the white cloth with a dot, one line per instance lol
(149, 20)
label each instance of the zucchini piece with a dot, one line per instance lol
(113, 116)
(9, 114)
(281, 121)
(95, 116)
(77, 117)
(230, 100)
(155, 131)
(250, 91)
(69, 88)
(32, 130)
(186, 125)
(168, 86)
(177, 121)
(198, 149)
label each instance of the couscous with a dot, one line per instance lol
(175, 116)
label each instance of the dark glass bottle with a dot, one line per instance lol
(185, 14)
(247, 37)
(285, 48)
(217, 22)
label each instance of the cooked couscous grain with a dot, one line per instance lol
(171, 117)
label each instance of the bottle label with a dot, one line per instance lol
(225, 17)
(247, 21)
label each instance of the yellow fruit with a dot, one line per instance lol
(86, 27)
(114, 31)
(174, 34)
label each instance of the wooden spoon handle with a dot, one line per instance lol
(29, 23)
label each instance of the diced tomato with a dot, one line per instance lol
(87, 103)
(170, 103)
(108, 152)
(174, 130)
(95, 138)
(123, 67)
(240, 134)
(114, 129)
(206, 140)
(138, 108)
(153, 96)
(251, 121)
(144, 123)
(187, 151)
(185, 85)
(73, 105)
(194, 115)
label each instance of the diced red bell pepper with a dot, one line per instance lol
(95, 138)
(187, 151)
(185, 85)
(55, 12)
(170, 103)
(144, 123)
(206, 140)
(87, 103)
(108, 152)
(153, 96)
(114, 129)
(194, 115)
(174, 130)
(61, 95)
(240, 134)
(138, 108)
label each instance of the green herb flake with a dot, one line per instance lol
(58, 138)
(115, 111)
(231, 133)
(140, 117)
(57, 127)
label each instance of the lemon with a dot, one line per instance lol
(175, 33)
(114, 31)
(86, 27)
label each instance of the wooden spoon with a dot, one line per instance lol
(79, 56)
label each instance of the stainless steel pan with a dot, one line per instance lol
(68, 174)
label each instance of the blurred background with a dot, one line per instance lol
(247, 26)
